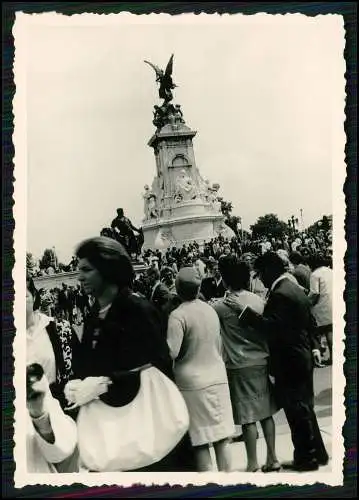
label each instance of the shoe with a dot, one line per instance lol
(327, 362)
(301, 466)
(323, 461)
(275, 467)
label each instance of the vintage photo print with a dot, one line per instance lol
(179, 249)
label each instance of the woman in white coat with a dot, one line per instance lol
(51, 436)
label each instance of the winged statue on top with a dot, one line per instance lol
(165, 80)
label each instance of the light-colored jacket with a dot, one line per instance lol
(321, 283)
(195, 345)
(243, 345)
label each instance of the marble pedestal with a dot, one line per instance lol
(185, 223)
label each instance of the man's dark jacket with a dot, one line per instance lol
(290, 329)
(210, 289)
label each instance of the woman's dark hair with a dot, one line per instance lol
(235, 273)
(30, 285)
(317, 260)
(270, 261)
(167, 275)
(153, 272)
(110, 258)
(296, 258)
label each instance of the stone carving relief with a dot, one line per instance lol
(213, 197)
(209, 194)
(185, 188)
(164, 238)
(221, 229)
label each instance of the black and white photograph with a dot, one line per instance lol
(179, 247)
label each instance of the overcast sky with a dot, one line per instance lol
(262, 94)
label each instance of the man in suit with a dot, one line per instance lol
(65, 302)
(212, 286)
(291, 333)
(159, 294)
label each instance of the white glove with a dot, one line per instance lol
(70, 389)
(84, 391)
(317, 358)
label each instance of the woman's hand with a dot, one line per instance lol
(81, 392)
(70, 390)
(233, 304)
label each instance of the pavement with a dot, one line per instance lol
(284, 447)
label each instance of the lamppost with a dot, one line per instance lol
(301, 220)
(293, 223)
(240, 227)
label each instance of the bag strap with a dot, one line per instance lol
(141, 368)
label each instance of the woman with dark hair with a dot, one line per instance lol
(50, 343)
(121, 334)
(246, 354)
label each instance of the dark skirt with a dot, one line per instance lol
(252, 394)
(180, 459)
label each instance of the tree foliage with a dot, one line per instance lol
(269, 225)
(48, 259)
(325, 224)
(232, 221)
(30, 263)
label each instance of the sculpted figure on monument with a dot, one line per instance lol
(150, 200)
(167, 113)
(178, 114)
(204, 188)
(145, 200)
(158, 117)
(185, 189)
(164, 78)
(152, 207)
(212, 197)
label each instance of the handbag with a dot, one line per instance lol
(138, 434)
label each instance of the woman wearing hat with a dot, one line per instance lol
(194, 339)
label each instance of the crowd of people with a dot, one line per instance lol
(307, 244)
(55, 268)
(235, 327)
(68, 303)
